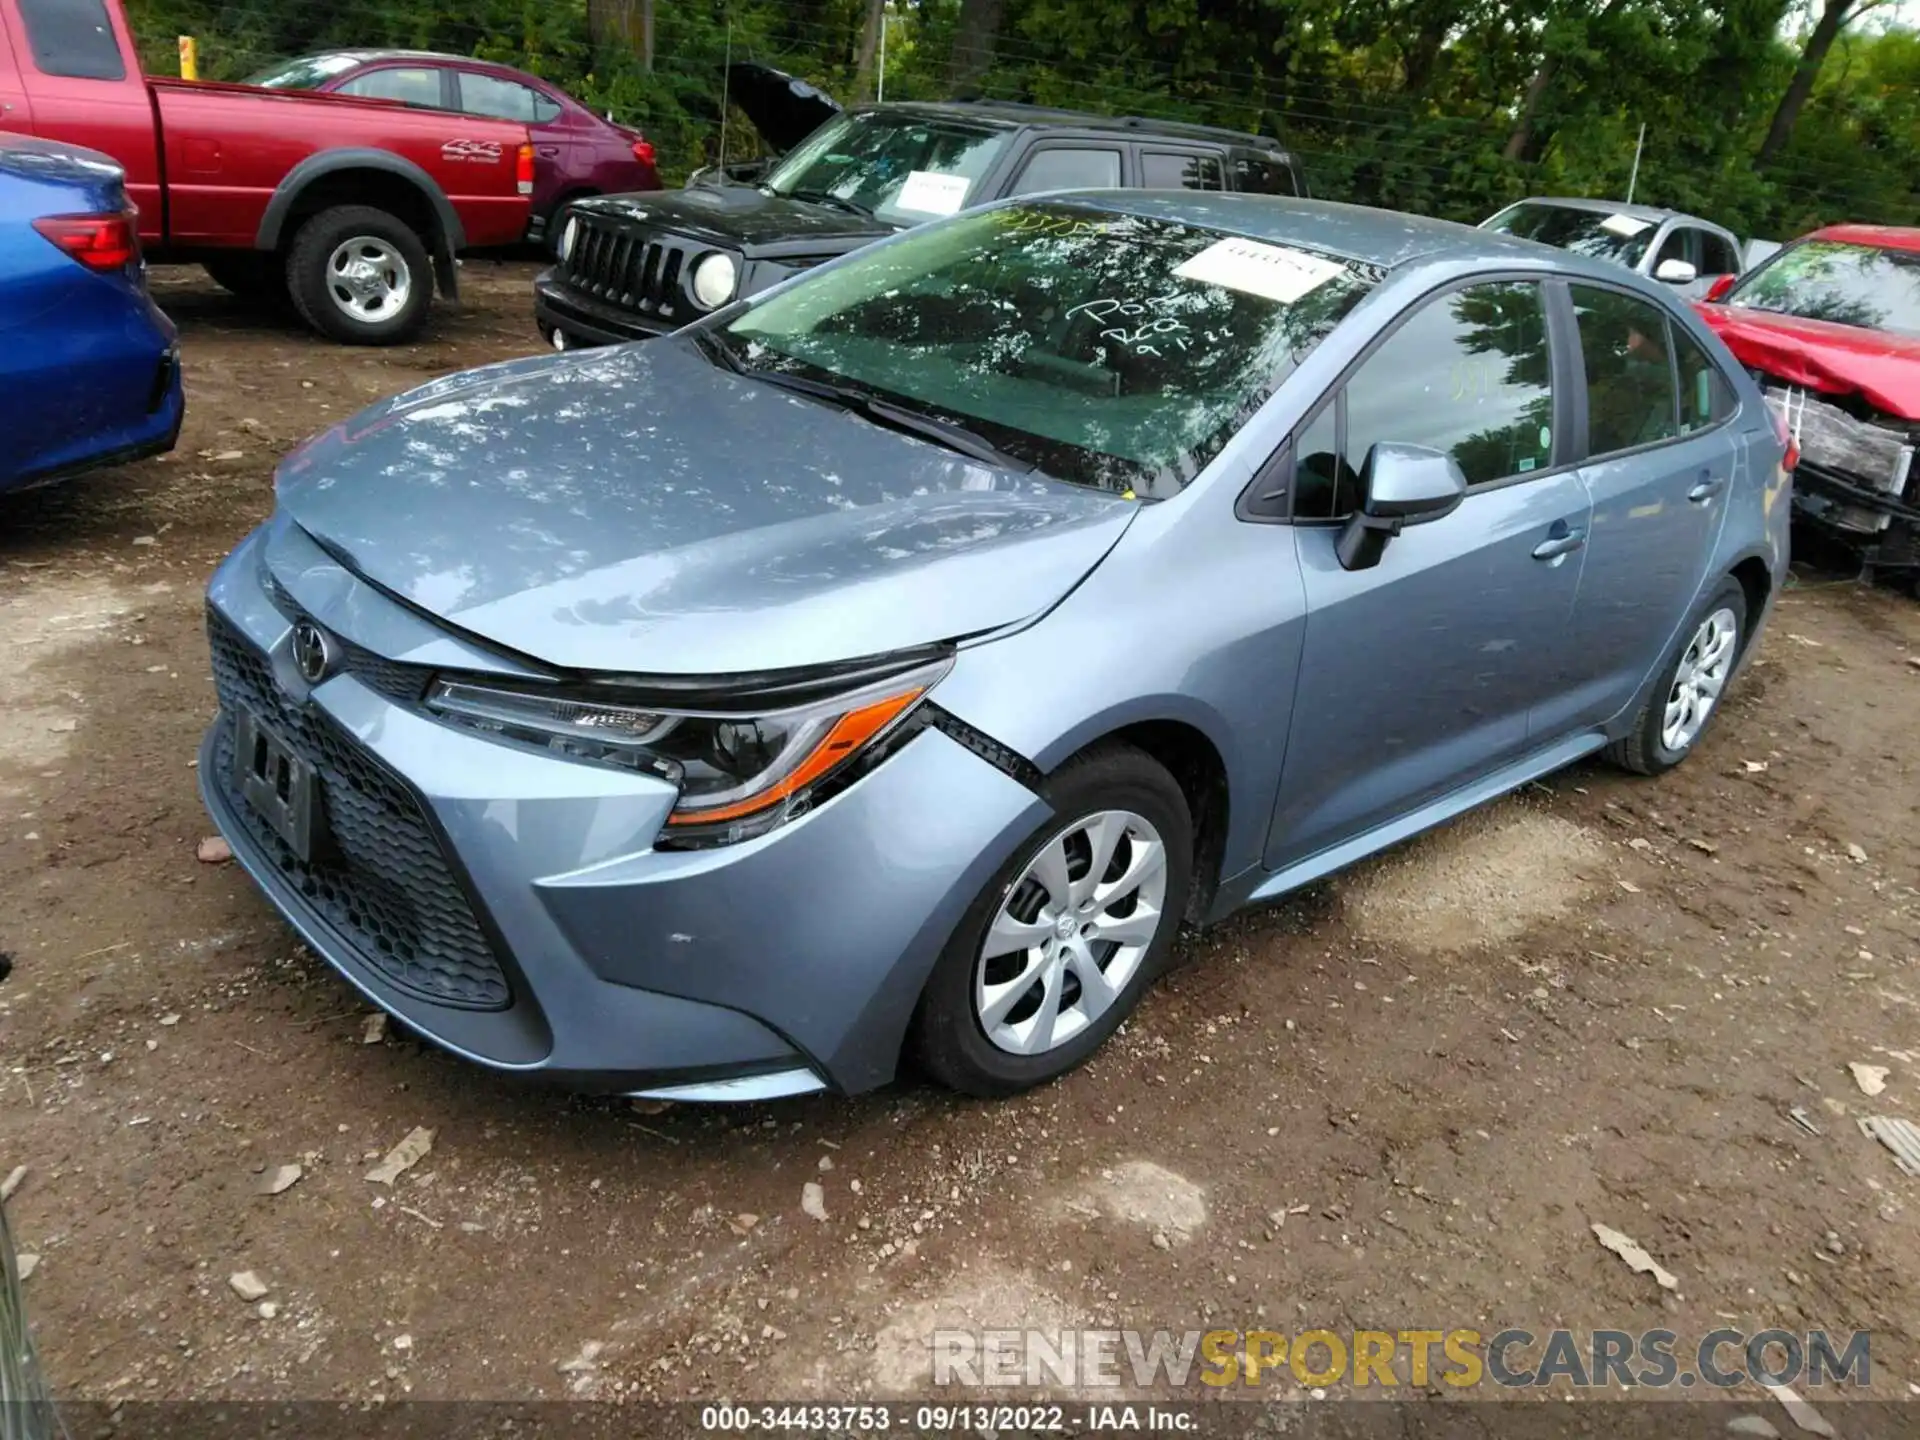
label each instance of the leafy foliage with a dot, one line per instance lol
(1446, 107)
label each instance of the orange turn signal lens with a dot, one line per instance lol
(850, 734)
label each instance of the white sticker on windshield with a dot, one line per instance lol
(1625, 226)
(931, 193)
(1273, 272)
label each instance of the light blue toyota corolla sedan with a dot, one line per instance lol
(883, 669)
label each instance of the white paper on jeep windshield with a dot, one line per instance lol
(931, 193)
(1273, 272)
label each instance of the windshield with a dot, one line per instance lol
(1859, 285)
(309, 72)
(1110, 350)
(898, 167)
(1622, 239)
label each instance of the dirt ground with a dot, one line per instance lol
(1398, 1100)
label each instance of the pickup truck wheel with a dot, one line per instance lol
(255, 277)
(361, 276)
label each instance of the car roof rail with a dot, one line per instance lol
(1131, 122)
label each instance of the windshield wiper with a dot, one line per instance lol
(837, 202)
(953, 436)
(956, 437)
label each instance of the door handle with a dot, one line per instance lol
(1706, 490)
(1560, 545)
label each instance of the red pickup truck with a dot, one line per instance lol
(350, 208)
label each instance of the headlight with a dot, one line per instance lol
(740, 773)
(568, 236)
(714, 279)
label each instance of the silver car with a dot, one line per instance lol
(1683, 251)
(889, 664)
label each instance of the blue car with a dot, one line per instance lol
(88, 364)
(890, 663)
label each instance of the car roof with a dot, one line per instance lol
(1385, 238)
(1654, 213)
(1009, 114)
(1887, 237)
(371, 54)
(367, 57)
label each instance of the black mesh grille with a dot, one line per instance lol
(405, 683)
(381, 878)
(626, 267)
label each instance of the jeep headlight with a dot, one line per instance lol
(568, 236)
(740, 772)
(714, 280)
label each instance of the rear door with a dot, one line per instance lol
(559, 150)
(82, 87)
(1419, 675)
(1662, 456)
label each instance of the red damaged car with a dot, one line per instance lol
(1830, 326)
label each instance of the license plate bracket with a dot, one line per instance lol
(277, 784)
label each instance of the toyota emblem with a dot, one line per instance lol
(313, 653)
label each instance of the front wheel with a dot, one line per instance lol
(361, 276)
(1059, 948)
(1675, 716)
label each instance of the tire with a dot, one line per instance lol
(386, 302)
(1142, 803)
(1645, 749)
(255, 277)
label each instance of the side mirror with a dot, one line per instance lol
(1403, 485)
(1676, 272)
(1717, 291)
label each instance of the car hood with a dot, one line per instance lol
(1882, 368)
(737, 215)
(638, 510)
(783, 108)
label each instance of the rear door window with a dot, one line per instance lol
(410, 84)
(73, 39)
(1706, 395)
(1630, 375)
(504, 99)
(1180, 170)
(1065, 167)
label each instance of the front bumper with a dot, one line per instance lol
(1865, 518)
(559, 309)
(785, 963)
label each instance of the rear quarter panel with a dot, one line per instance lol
(1760, 504)
(228, 147)
(79, 351)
